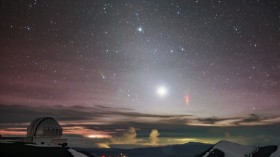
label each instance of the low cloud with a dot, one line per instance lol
(128, 137)
(103, 145)
(247, 120)
(235, 138)
(154, 137)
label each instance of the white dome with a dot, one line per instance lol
(44, 127)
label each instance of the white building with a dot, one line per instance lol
(46, 131)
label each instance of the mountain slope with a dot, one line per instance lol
(229, 149)
(276, 153)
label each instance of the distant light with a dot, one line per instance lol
(162, 91)
(91, 136)
(97, 136)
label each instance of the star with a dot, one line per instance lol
(103, 76)
(140, 29)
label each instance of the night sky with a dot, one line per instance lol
(140, 72)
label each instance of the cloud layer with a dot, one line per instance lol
(110, 125)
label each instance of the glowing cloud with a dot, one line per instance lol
(128, 137)
(154, 137)
(80, 130)
(102, 145)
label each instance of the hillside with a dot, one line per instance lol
(230, 149)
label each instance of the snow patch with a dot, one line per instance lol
(276, 153)
(232, 149)
(76, 154)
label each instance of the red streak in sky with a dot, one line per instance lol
(187, 99)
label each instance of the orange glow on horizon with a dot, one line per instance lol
(85, 132)
(14, 133)
(66, 130)
(98, 136)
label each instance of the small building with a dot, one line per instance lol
(45, 131)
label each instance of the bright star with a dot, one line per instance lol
(140, 29)
(103, 76)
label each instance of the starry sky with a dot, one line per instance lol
(146, 72)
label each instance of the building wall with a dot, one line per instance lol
(42, 141)
(50, 141)
(59, 141)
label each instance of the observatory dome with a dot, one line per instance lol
(44, 127)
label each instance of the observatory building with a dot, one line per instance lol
(46, 131)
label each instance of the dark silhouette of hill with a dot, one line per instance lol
(19, 149)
